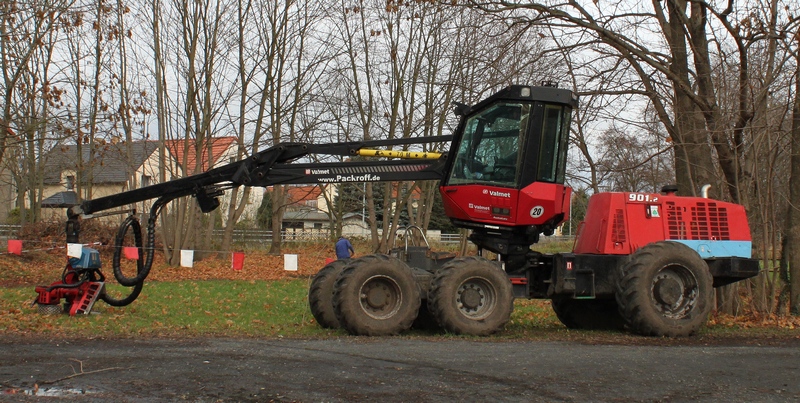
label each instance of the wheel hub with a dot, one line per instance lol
(674, 291)
(471, 297)
(668, 291)
(377, 297)
(476, 298)
(380, 297)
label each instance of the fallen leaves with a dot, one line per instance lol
(45, 267)
(752, 319)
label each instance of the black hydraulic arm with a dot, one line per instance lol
(275, 166)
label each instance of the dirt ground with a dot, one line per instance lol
(394, 370)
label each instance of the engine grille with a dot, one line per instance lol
(618, 234)
(706, 221)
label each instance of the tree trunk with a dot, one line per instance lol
(793, 235)
(278, 207)
(693, 168)
(373, 216)
(784, 297)
(463, 245)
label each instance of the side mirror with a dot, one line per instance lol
(461, 109)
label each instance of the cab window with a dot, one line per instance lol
(490, 149)
(553, 146)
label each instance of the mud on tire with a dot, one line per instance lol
(320, 294)
(665, 290)
(376, 295)
(470, 295)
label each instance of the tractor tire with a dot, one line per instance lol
(56, 309)
(376, 295)
(470, 295)
(320, 294)
(665, 290)
(589, 314)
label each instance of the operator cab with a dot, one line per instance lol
(507, 166)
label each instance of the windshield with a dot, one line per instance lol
(490, 149)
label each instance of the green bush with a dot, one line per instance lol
(15, 216)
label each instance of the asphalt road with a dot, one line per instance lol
(393, 370)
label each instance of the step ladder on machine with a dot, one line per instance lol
(83, 305)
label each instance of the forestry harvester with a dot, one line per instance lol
(647, 262)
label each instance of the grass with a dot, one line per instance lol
(186, 308)
(208, 308)
(274, 309)
(553, 246)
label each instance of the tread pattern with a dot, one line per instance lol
(444, 286)
(320, 294)
(347, 296)
(634, 290)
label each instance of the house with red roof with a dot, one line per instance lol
(118, 167)
(306, 210)
(111, 168)
(305, 196)
(307, 214)
(215, 152)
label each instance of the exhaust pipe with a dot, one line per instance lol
(704, 191)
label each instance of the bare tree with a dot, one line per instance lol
(791, 250)
(189, 64)
(28, 35)
(634, 163)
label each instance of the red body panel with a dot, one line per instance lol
(533, 205)
(78, 296)
(621, 223)
(540, 202)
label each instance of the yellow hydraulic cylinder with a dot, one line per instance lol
(398, 154)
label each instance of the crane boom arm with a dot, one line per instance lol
(275, 166)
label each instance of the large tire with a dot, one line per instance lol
(588, 314)
(320, 294)
(376, 295)
(665, 290)
(470, 295)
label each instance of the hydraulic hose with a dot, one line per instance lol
(119, 302)
(143, 268)
(131, 222)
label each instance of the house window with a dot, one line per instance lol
(317, 225)
(146, 180)
(70, 182)
(311, 203)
